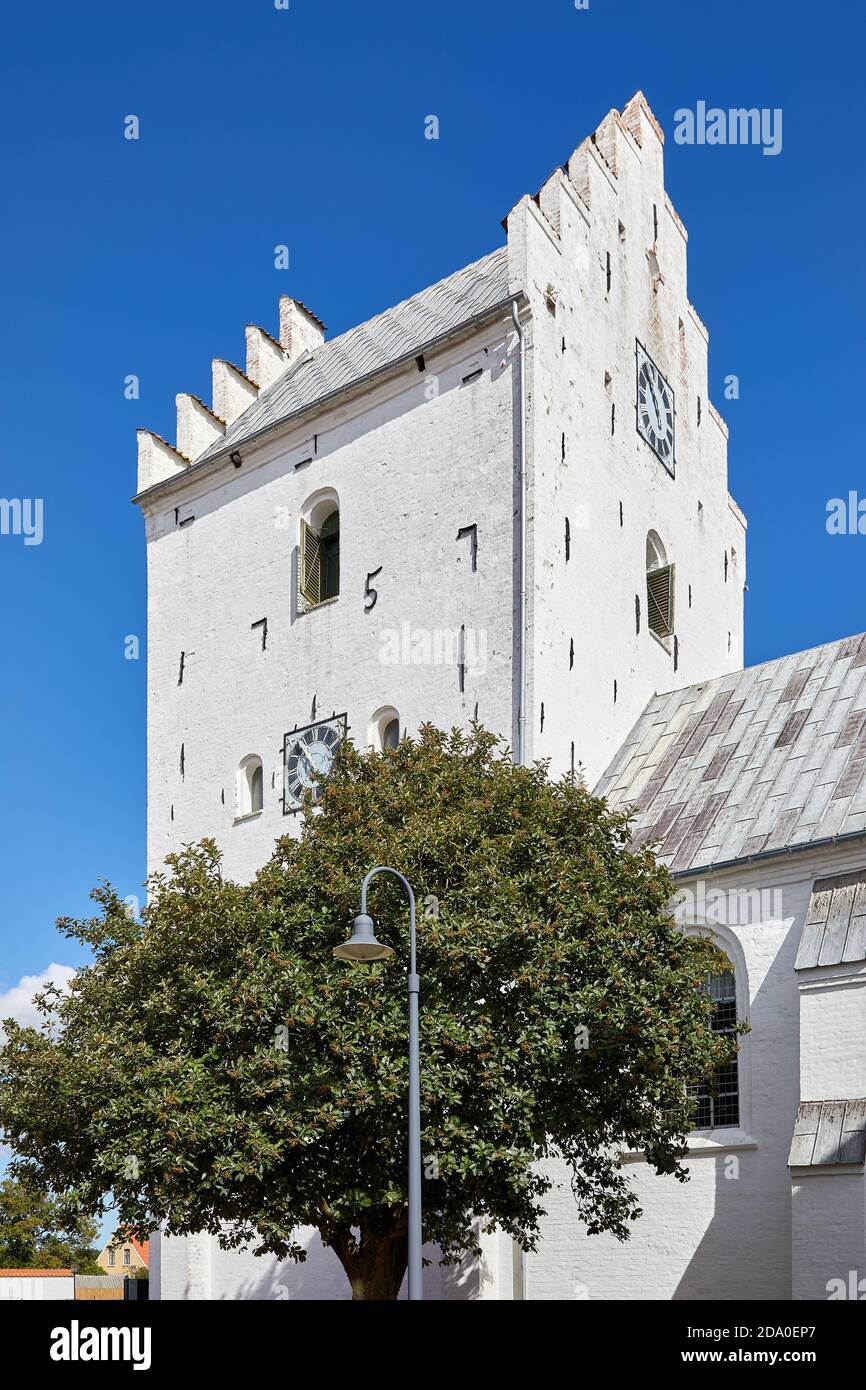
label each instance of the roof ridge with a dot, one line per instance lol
(376, 344)
(401, 303)
(755, 666)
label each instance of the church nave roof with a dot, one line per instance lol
(758, 761)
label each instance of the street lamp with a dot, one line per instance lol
(363, 945)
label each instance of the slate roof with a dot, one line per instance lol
(763, 759)
(829, 1131)
(399, 332)
(835, 927)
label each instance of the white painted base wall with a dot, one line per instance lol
(196, 1268)
(30, 1288)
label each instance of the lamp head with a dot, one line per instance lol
(362, 945)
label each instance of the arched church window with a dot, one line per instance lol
(251, 786)
(319, 567)
(329, 538)
(384, 729)
(717, 1100)
(659, 587)
(257, 788)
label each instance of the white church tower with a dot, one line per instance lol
(504, 498)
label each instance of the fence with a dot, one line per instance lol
(99, 1286)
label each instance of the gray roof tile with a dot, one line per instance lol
(762, 759)
(380, 342)
(828, 1132)
(834, 929)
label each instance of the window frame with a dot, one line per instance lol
(249, 768)
(700, 1090)
(380, 721)
(741, 1137)
(318, 555)
(666, 610)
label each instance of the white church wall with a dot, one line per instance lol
(588, 461)
(409, 473)
(727, 1233)
(833, 1027)
(828, 1225)
(829, 1201)
(196, 1268)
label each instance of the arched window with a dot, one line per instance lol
(319, 555)
(329, 539)
(717, 1100)
(251, 786)
(659, 588)
(384, 729)
(257, 788)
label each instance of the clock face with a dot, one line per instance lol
(655, 409)
(308, 756)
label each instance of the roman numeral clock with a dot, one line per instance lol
(656, 411)
(308, 756)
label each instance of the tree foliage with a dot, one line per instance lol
(216, 1069)
(39, 1231)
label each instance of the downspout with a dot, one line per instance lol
(518, 1256)
(520, 758)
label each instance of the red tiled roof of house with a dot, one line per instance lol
(36, 1273)
(141, 1246)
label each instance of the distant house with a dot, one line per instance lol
(36, 1285)
(123, 1255)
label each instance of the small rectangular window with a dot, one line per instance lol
(111, 1259)
(127, 1258)
(660, 600)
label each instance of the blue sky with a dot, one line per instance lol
(305, 127)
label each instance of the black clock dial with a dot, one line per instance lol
(308, 755)
(655, 409)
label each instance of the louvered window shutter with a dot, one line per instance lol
(660, 600)
(310, 568)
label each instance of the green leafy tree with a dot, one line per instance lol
(39, 1231)
(216, 1069)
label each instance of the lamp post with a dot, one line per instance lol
(363, 946)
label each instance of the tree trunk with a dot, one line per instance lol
(375, 1262)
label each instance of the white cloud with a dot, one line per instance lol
(17, 1002)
